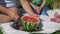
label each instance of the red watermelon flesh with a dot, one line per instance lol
(55, 20)
(58, 20)
(29, 19)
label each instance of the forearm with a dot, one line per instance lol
(4, 10)
(33, 6)
(14, 9)
(43, 4)
(26, 6)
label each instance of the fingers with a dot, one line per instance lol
(4, 18)
(16, 18)
(35, 15)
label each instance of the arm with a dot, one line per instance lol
(43, 4)
(26, 6)
(11, 12)
(4, 10)
(38, 9)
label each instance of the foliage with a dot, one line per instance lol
(1, 32)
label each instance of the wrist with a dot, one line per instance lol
(41, 7)
(30, 13)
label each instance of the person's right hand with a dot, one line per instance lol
(34, 15)
(38, 9)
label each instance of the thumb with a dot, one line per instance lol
(16, 18)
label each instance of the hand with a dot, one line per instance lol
(13, 16)
(38, 9)
(34, 15)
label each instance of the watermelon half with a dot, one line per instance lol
(29, 23)
(55, 5)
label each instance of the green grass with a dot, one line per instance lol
(1, 32)
(57, 32)
(50, 1)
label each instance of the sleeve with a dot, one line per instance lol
(11, 3)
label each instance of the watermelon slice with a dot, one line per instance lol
(58, 20)
(55, 20)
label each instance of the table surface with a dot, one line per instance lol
(48, 27)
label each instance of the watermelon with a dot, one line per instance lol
(55, 20)
(29, 23)
(58, 20)
(55, 5)
(36, 2)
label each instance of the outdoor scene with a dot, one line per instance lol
(29, 16)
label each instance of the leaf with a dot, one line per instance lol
(57, 32)
(1, 32)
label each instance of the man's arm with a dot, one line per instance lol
(11, 12)
(4, 10)
(26, 6)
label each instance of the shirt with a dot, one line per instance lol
(9, 3)
(36, 2)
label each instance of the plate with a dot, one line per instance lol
(9, 30)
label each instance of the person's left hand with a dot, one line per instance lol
(38, 9)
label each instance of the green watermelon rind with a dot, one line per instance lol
(55, 6)
(29, 26)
